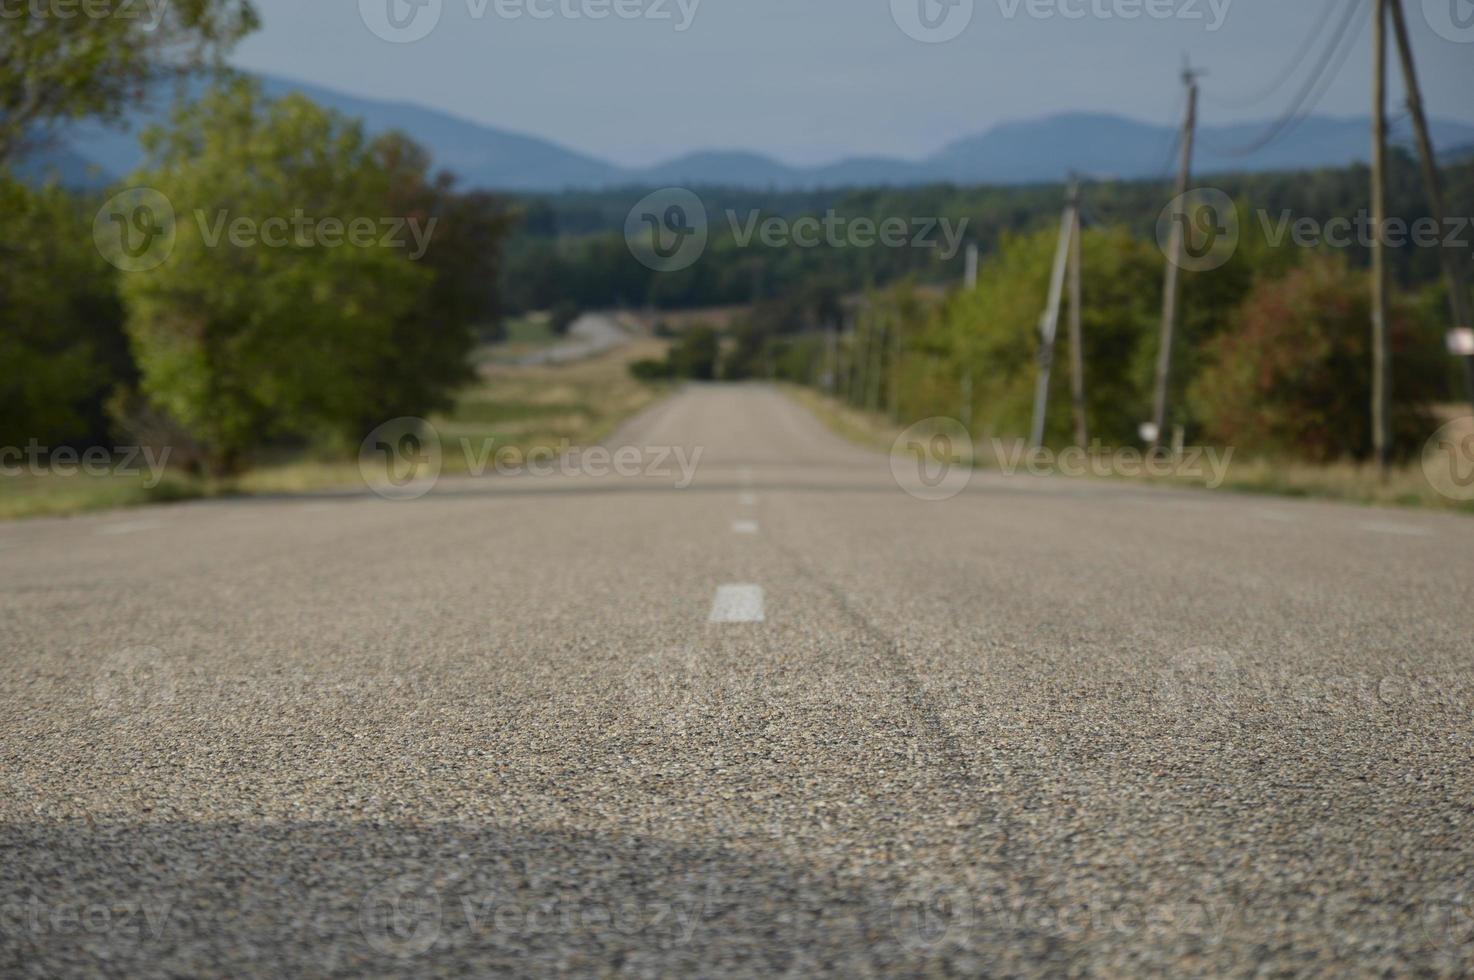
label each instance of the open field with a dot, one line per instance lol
(522, 407)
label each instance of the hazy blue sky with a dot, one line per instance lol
(813, 80)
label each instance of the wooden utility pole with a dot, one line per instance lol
(1049, 323)
(1381, 373)
(893, 375)
(841, 387)
(876, 366)
(970, 273)
(859, 356)
(1077, 351)
(1453, 269)
(831, 357)
(1171, 288)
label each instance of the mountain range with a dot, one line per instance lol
(1048, 149)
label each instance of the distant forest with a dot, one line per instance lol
(570, 247)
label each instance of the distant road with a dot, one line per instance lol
(590, 334)
(786, 720)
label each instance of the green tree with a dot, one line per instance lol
(61, 323)
(992, 334)
(94, 59)
(268, 318)
(428, 354)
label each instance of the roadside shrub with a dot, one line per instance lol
(695, 354)
(650, 370)
(1293, 373)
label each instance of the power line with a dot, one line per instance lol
(1337, 50)
(1289, 70)
(1174, 144)
(1091, 217)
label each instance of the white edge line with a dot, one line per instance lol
(1406, 530)
(129, 527)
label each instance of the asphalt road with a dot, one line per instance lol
(1049, 726)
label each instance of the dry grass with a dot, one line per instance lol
(51, 494)
(1350, 482)
(549, 406)
(716, 317)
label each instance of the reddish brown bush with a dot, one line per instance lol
(1293, 373)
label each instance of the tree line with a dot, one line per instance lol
(571, 246)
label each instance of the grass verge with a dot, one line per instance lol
(1349, 482)
(521, 407)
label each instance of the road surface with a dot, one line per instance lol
(786, 720)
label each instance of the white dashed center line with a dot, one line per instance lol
(747, 499)
(744, 527)
(737, 604)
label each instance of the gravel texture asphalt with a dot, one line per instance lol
(1046, 727)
